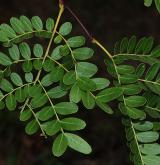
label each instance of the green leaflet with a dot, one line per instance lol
(147, 137)
(72, 124)
(69, 78)
(101, 83)
(51, 127)
(37, 23)
(151, 160)
(59, 145)
(135, 101)
(77, 143)
(85, 69)
(38, 50)
(75, 94)
(32, 127)
(56, 54)
(86, 84)
(143, 126)
(16, 79)
(50, 24)
(29, 77)
(66, 108)
(10, 33)
(14, 52)
(25, 115)
(110, 94)
(75, 42)
(25, 50)
(65, 28)
(20, 95)
(39, 100)
(6, 86)
(150, 149)
(56, 92)
(148, 2)
(83, 53)
(27, 66)
(88, 100)
(11, 102)
(17, 25)
(5, 60)
(26, 23)
(135, 113)
(45, 113)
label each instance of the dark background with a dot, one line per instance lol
(109, 21)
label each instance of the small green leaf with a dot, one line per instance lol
(151, 160)
(14, 52)
(131, 89)
(20, 95)
(72, 124)
(5, 60)
(37, 23)
(135, 113)
(16, 79)
(51, 127)
(50, 24)
(46, 80)
(83, 53)
(150, 149)
(77, 143)
(69, 78)
(86, 84)
(37, 64)
(26, 23)
(38, 50)
(147, 137)
(101, 83)
(88, 100)
(48, 65)
(135, 101)
(65, 28)
(59, 145)
(25, 115)
(123, 69)
(57, 74)
(35, 90)
(56, 92)
(85, 69)
(39, 101)
(109, 94)
(25, 50)
(66, 108)
(75, 94)
(8, 30)
(6, 85)
(75, 42)
(147, 3)
(29, 77)
(56, 54)
(11, 102)
(17, 25)
(143, 126)
(45, 113)
(27, 66)
(32, 127)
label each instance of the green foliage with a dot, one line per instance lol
(50, 82)
(148, 3)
